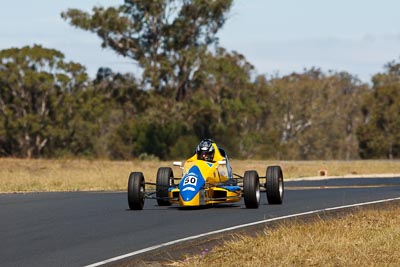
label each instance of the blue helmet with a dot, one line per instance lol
(205, 150)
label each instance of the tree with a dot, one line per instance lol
(34, 83)
(225, 103)
(167, 38)
(348, 114)
(379, 136)
(316, 114)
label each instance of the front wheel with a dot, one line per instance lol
(165, 179)
(251, 189)
(274, 185)
(136, 190)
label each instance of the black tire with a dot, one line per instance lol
(136, 191)
(251, 189)
(165, 179)
(274, 185)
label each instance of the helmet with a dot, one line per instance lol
(205, 150)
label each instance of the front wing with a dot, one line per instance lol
(207, 196)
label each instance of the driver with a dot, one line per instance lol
(205, 150)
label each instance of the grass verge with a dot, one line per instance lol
(23, 175)
(363, 238)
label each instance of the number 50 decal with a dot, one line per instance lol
(190, 180)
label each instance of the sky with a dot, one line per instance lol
(277, 37)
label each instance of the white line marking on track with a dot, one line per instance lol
(137, 252)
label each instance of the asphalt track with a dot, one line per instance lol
(82, 228)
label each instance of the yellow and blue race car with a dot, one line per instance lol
(206, 183)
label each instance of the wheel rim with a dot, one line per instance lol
(258, 193)
(141, 193)
(280, 187)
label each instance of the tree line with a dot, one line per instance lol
(190, 88)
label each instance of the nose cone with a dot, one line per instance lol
(191, 184)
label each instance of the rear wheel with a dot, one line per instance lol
(274, 185)
(165, 179)
(136, 190)
(251, 189)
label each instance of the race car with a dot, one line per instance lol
(205, 183)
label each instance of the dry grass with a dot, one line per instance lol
(339, 168)
(22, 175)
(365, 238)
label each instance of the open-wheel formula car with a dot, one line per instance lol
(206, 183)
